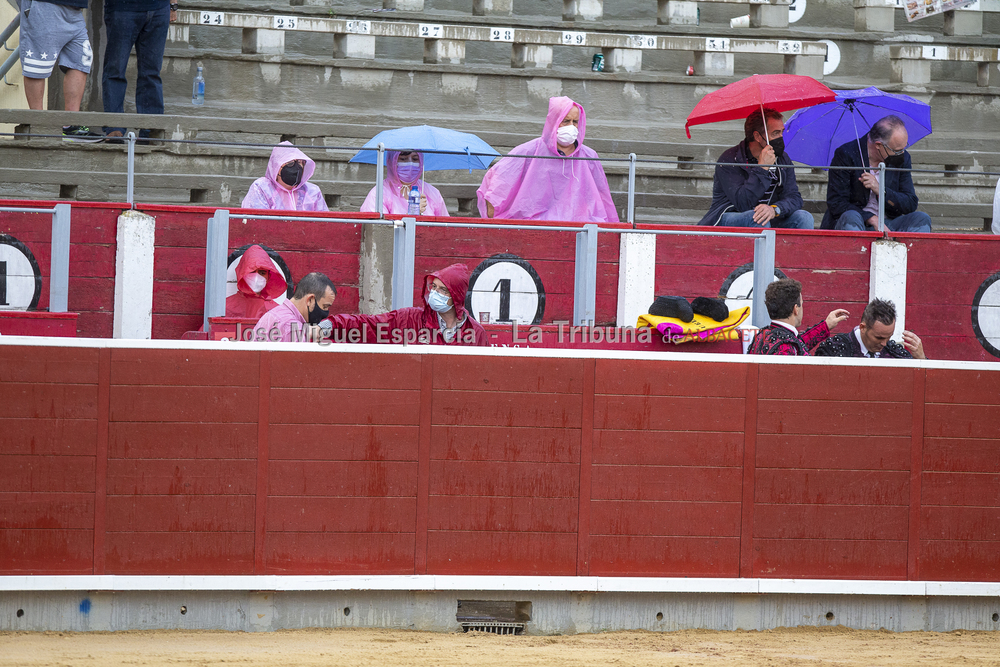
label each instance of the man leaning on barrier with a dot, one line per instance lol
(296, 320)
(872, 338)
(783, 299)
(442, 321)
(755, 182)
(852, 194)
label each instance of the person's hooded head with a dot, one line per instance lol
(256, 275)
(289, 168)
(565, 125)
(446, 289)
(404, 170)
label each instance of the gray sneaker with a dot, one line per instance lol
(81, 133)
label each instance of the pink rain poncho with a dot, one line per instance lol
(570, 190)
(396, 194)
(267, 193)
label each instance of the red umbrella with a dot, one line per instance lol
(781, 92)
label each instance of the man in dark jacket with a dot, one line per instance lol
(442, 321)
(852, 194)
(760, 190)
(873, 337)
(783, 299)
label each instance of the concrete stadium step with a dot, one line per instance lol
(858, 52)
(221, 174)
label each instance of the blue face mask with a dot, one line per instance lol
(408, 171)
(438, 302)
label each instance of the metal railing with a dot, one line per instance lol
(15, 55)
(59, 253)
(403, 258)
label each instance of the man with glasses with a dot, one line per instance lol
(852, 195)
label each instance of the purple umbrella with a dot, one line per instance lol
(813, 134)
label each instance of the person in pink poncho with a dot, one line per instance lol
(403, 171)
(570, 190)
(286, 186)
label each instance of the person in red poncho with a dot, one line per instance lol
(258, 284)
(443, 319)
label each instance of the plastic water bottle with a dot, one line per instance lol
(198, 89)
(413, 208)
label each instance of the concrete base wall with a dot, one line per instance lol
(552, 612)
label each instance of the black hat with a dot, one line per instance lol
(672, 306)
(714, 308)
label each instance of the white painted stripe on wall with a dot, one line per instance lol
(29, 583)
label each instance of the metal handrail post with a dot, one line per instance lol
(216, 254)
(379, 164)
(130, 182)
(881, 197)
(8, 64)
(404, 236)
(630, 212)
(763, 275)
(9, 31)
(59, 262)
(585, 279)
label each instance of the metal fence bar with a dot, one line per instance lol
(403, 247)
(379, 164)
(8, 64)
(630, 215)
(18, 209)
(216, 256)
(130, 181)
(59, 262)
(585, 280)
(881, 197)
(763, 275)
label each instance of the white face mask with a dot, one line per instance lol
(438, 302)
(256, 282)
(567, 135)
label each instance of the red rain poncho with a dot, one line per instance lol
(421, 323)
(245, 303)
(571, 190)
(267, 193)
(395, 193)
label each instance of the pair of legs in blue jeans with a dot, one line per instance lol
(147, 31)
(911, 222)
(796, 220)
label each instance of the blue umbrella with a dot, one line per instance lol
(460, 149)
(813, 134)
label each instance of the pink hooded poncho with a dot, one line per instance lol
(395, 193)
(266, 193)
(570, 190)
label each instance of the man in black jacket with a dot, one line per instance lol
(872, 338)
(852, 194)
(761, 189)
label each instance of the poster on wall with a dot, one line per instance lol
(918, 9)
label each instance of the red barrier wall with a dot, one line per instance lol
(946, 272)
(188, 461)
(91, 258)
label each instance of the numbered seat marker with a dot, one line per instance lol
(935, 52)
(431, 30)
(789, 47)
(501, 34)
(716, 43)
(359, 27)
(643, 41)
(574, 38)
(285, 22)
(211, 18)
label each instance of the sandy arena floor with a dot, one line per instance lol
(795, 646)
